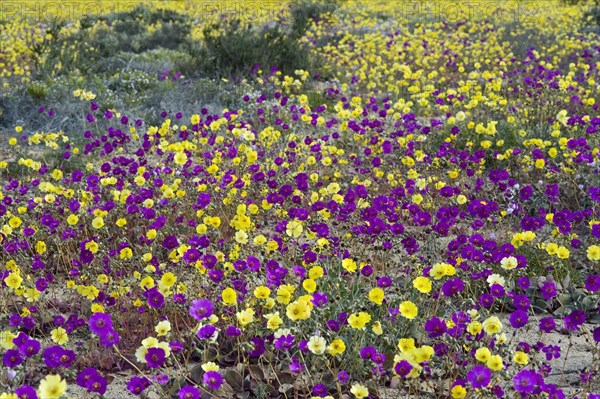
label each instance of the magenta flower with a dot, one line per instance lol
(526, 381)
(212, 379)
(479, 376)
(189, 392)
(402, 368)
(201, 309)
(100, 323)
(137, 385)
(155, 357)
(26, 392)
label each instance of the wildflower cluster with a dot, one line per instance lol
(440, 201)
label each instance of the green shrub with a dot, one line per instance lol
(305, 12)
(233, 50)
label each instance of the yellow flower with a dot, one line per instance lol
(315, 272)
(552, 248)
(359, 391)
(6, 339)
(210, 366)
(14, 222)
(458, 392)
(72, 219)
(492, 325)
(121, 222)
(168, 279)
(593, 253)
(540, 163)
(495, 363)
(474, 328)
(284, 294)
(336, 347)
(262, 292)
(563, 253)
(423, 284)
(274, 321)
(13, 280)
(59, 336)
(483, 354)
(229, 296)
(163, 328)
(309, 285)
(92, 246)
(12, 141)
(521, 358)
(180, 158)
(406, 344)
(294, 228)
(408, 309)
(52, 387)
(349, 265)
(359, 320)
(125, 253)
(438, 271)
(377, 329)
(376, 296)
(298, 310)
(245, 317)
(98, 222)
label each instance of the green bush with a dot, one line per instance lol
(233, 50)
(93, 51)
(305, 12)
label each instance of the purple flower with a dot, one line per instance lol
(97, 384)
(367, 352)
(486, 300)
(155, 357)
(57, 356)
(518, 318)
(479, 376)
(12, 358)
(284, 342)
(319, 299)
(170, 242)
(137, 385)
(526, 381)
(85, 376)
(296, 367)
(547, 324)
(206, 332)
(597, 334)
(189, 392)
(100, 323)
(592, 283)
(155, 298)
(109, 338)
(402, 368)
(574, 320)
(435, 327)
(212, 379)
(523, 282)
(201, 309)
(548, 290)
(343, 376)
(26, 392)
(29, 348)
(319, 390)
(453, 286)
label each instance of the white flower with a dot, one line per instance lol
(317, 345)
(495, 279)
(509, 263)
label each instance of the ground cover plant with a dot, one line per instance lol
(300, 200)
